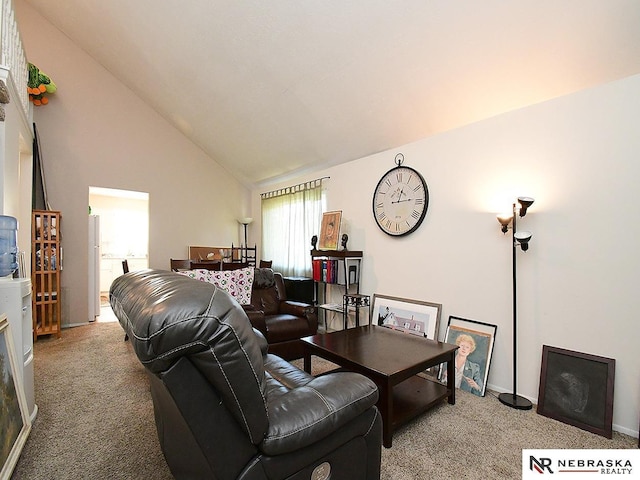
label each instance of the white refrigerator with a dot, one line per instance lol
(94, 267)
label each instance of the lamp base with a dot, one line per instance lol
(515, 401)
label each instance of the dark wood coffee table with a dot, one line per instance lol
(391, 359)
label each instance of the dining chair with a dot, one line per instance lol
(177, 265)
(206, 264)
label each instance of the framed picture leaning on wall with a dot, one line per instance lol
(473, 358)
(410, 316)
(577, 388)
(15, 423)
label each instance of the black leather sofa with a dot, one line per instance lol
(227, 409)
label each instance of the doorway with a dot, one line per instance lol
(119, 230)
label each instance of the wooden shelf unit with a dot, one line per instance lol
(46, 257)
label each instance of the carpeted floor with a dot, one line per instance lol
(95, 421)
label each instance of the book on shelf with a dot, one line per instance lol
(325, 270)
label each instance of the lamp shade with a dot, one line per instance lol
(505, 220)
(245, 220)
(525, 203)
(523, 239)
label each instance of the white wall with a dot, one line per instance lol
(578, 283)
(96, 132)
(15, 164)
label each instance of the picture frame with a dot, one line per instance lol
(410, 316)
(577, 388)
(479, 337)
(330, 230)
(14, 418)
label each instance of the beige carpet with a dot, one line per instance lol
(95, 421)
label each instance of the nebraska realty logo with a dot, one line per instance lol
(580, 463)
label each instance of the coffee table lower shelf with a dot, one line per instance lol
(414, 396)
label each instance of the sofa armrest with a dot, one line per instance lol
(307, 414)
(299, 309)
(256, 317)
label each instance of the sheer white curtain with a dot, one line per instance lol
(290, 217)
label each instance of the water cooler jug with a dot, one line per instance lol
(8, 245)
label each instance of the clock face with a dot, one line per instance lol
(400, 201)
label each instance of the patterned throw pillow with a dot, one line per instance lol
(237, 283)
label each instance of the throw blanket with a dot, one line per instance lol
(237, 282)
(263, 278)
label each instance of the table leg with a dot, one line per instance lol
(385, 405)
(451, 378)
(307, 360)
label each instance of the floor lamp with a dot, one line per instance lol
(245, 221)
(517, 239)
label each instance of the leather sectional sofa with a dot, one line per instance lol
(225, 407)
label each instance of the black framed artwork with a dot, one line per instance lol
(577, 388)
(475, 341)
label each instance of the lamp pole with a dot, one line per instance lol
(514, 400)
(245, 222)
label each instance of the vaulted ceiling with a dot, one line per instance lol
(271, 89)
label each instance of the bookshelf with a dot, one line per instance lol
(335, 267)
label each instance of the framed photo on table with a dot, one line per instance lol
(475, 341)
(330, 230)
(577, 389)
(15, 423)
(410, 316)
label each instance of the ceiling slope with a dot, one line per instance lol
(274, 88)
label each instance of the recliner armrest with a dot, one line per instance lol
(299, 309)
(307, 414)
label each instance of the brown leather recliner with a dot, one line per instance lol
(227, 409)
(282, 322)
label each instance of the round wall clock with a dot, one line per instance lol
(400, 200)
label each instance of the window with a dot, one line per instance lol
(290, 217)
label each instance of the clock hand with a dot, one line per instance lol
(400, 196)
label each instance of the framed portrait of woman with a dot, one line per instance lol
(473, 357)
(330, 230)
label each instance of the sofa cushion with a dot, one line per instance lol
(235, 282)
(264, 278)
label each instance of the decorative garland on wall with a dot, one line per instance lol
(39, 86)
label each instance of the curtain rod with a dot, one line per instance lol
(294, 188)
